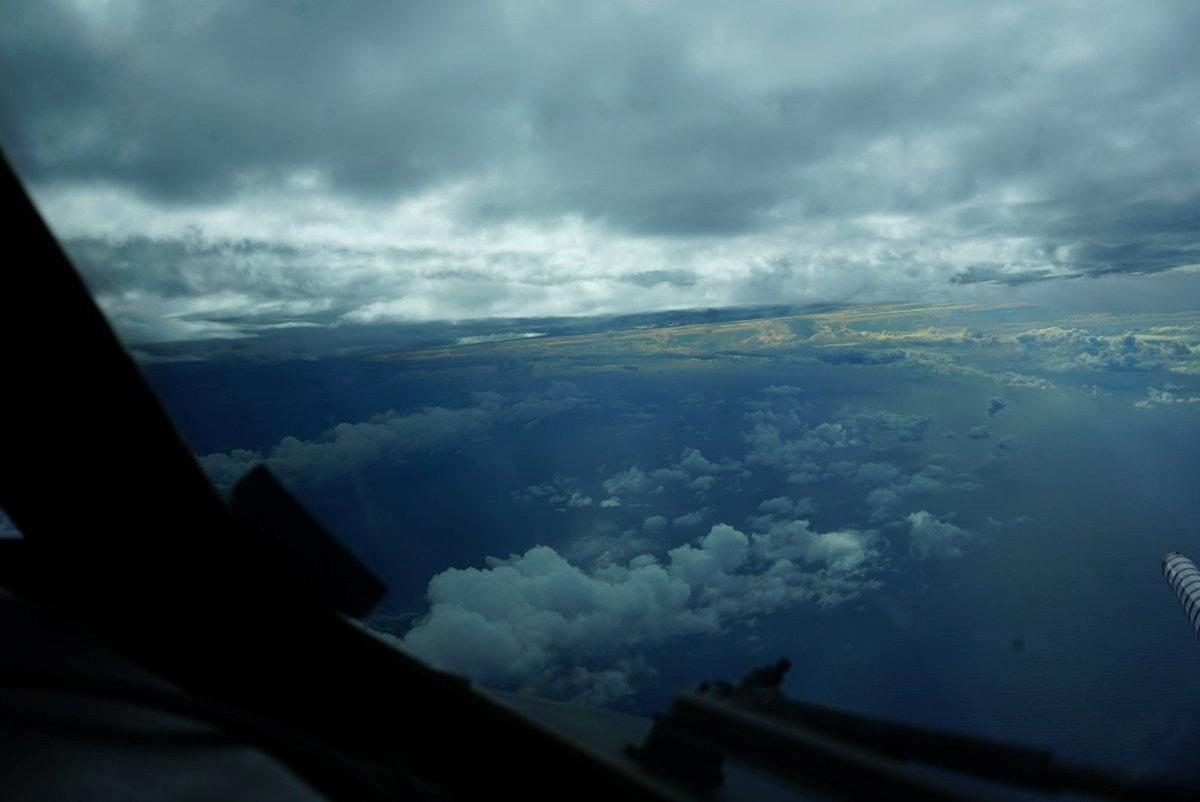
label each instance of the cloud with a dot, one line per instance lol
(995, 404)
(704, 471)
(780, 435)
(537, 622)
(1165, 398)
(562, 492)
(655, 523)
(781, 438)
(769, 447)
(783, 390)
(634, 481)
(929, 537)
(979, 433)
(693, 470)
(773, 510)
(335, 164)
(928, 479)
(694, 518)
(694, 462)
(1074, 349)
(351, 447)
(879, 426)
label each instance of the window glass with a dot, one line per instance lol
(638, 344)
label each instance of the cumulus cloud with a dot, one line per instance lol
(890, 491)
(783, 390)
(979, 433)
(694, 518)
(705, 472)
(773, 510)
(930, 537)
(880, 426)
(562, 492)
(768, 446)
(654, 523)
(1166, 398)
(994, 405)
(634, 481)
(351, 447)
(692, 470)
(780, 436)
(539, 622)
(692, 461)
(344, 164)
(1074, 349)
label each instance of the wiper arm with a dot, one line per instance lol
(856, 754)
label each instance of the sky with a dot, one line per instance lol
(220, 168)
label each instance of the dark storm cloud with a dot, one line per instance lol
(905, 147)
(999, 274)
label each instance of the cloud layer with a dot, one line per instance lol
(221, 166)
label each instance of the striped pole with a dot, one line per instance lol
(1184, 578)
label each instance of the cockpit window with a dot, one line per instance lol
(638, 344)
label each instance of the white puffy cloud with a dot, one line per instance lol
(693, 462)
(634, 481)
(654, 523)
(930, 537)
(768, 446)
(780, 436)
(892, 485)
(775, 509)
(1060, 349)
(694, 518)
(692, 470)
(537, 621)
(1169, 396)
(562, 492)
